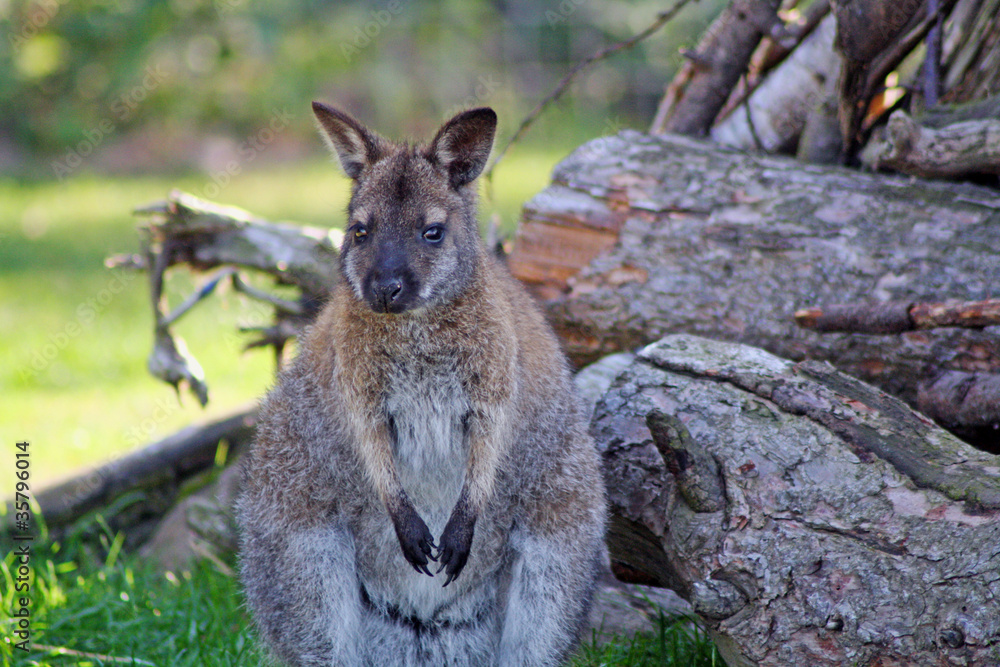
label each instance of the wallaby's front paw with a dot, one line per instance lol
(456, 541)
(415, 539)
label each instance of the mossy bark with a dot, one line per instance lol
(809, 518)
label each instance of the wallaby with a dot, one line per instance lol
(429, 416)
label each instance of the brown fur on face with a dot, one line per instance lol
(428, 426)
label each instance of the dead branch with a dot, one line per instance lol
(135, 491)
(185, 230)
(206, 235)
(866, 28)
(772, 51)
(865, 76)
(778, 109)
(969, 147)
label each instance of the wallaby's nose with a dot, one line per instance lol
(387, 291)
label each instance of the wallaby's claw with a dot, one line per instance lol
(455, 544)
(422, 569)
(415, 539)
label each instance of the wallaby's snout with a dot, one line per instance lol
(385, 293)
(390, 286)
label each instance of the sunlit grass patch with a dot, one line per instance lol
(123, 612)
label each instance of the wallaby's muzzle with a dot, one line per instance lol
(390, 286)
(386, 293)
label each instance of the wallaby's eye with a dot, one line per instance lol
(360, 233)
(434, 234)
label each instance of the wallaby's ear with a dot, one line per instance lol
(463, 145)
(354, 144)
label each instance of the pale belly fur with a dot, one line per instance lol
(430, 452)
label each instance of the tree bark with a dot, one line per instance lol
(641, 236)
(971, 51)
(810, 519)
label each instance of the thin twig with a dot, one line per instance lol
(282, 305)
(197, 296)
(661, 19)
(758, 144)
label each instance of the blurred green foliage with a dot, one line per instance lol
(158, 77)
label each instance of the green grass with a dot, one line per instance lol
(677, 642)
(127, 613)
(76, 335)
(122, 612)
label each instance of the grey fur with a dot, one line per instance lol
(473, 430)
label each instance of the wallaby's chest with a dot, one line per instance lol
(427, 408)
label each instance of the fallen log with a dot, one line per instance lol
(132, 493)
(810, 519)
(641, 236)
(968, 404)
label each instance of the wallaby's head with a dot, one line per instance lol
(412, 239)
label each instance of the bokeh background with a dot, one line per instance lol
(106, 106)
